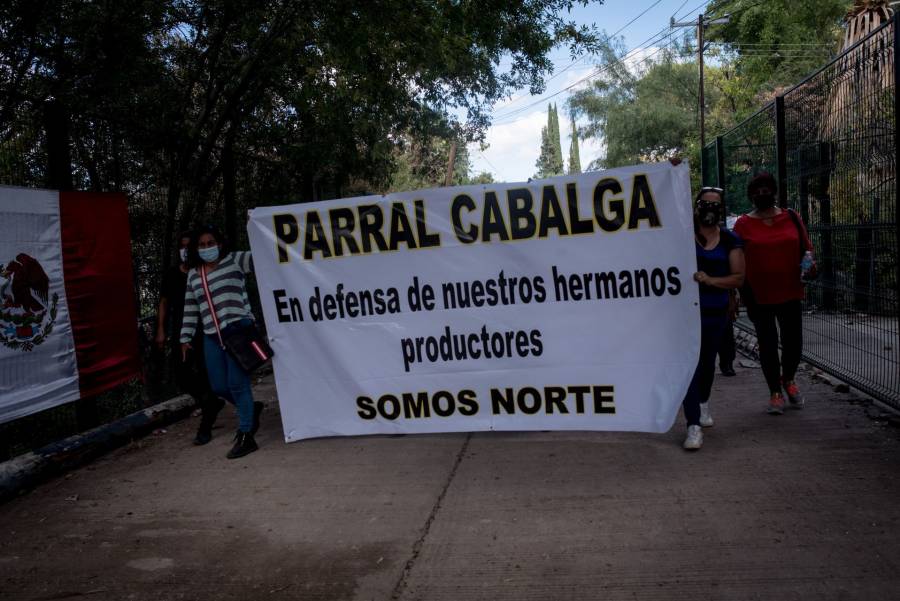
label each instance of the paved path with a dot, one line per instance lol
(802, 506)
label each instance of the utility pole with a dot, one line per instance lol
(451, 163)
(700, 29)
(702, 23)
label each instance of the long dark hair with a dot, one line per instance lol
(193, 258)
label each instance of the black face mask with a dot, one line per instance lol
(763, 201)
(708, 213)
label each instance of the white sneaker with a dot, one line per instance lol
(706, 419)
(694, 438)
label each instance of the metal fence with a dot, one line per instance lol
(831, 142)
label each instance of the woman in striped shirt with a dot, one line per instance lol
(226, 277)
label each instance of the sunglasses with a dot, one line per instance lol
(706, 189)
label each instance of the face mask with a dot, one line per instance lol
(182, 252)
(708, 213)
(763, 201)
(209, 254)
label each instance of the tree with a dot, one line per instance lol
(650, 113)
(770, 45)
(550, 162)
(574, 154)
(646, 116)
(423, 164)
(556, 139)
(204, 102)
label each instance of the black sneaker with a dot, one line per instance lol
(243, 445)
(727, 370)
(257, 411)
(204, 435)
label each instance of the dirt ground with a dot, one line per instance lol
(801, 506)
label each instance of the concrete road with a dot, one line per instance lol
(801, 506)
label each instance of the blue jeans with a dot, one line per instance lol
(712, 330)
(228, 380)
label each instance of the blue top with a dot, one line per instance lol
(715, 263)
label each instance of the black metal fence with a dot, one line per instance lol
(831, 142)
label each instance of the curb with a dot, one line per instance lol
(24, 472)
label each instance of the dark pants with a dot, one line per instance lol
(190, 375)
(788, 317)
(701, 384)
(727, 351)
(191, 378)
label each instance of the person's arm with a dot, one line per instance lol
(162, 311)
(807, 243)
(161, 314)
(729, 282)
(244, 260)
(190, 320)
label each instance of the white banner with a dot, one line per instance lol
(564, 304)
(37, 352)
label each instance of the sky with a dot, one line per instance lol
(514, 140)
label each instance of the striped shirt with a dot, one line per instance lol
(228, 291)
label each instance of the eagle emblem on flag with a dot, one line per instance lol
(27, 311)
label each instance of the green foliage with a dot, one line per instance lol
(574, 153)
(423, 164)
(556, 139)
(649, 116)
(203, 101)
(771, 45)
(550, 161)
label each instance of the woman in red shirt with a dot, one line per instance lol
(775, 240)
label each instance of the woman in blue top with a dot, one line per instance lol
(720, 264)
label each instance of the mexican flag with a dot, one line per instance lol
(68, 327)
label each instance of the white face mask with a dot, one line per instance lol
(182, 252)
(209, 254)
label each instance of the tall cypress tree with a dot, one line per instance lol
(574, 154)
(550, 161)
(555, 138)
(543, 163)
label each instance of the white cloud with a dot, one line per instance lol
(636, 60)
(513, 148)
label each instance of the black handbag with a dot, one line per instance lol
(248, 347)
(243, 341)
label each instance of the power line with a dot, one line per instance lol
(575, 62)
(675, 14)
(505, 118)
(772, 45)
(481, 154)
(656, 37)
(659, 36)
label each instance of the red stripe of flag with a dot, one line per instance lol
(96, 243)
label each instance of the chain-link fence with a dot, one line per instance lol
(831, 142)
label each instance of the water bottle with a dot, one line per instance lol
(805, 265)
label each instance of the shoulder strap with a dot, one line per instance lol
(209, 301)
(801, 231)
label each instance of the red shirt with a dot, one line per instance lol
(773, 257)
